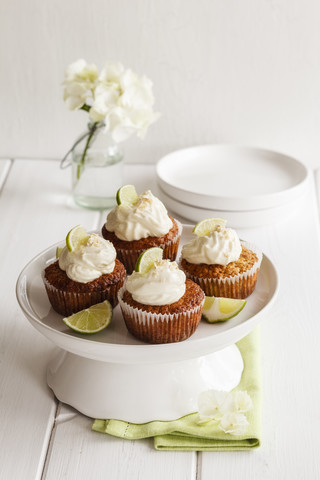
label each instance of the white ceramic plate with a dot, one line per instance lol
(116, 344)
(225, 177)
(241, 219)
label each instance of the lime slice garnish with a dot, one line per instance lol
(92, 319)
(147, 258)
(58, 251)
(208, 225)
(76, 237)
(219, 309)
(127, 194)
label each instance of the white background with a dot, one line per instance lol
(224, 71)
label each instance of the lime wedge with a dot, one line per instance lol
(92, 319)
(58, 252)
(127, 195)
(147, 258)
(76, 237)
(208, 225)
(219, 309)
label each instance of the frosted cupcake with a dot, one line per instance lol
(221, 264)
(138, 224)
(85, 276)
(161, 305)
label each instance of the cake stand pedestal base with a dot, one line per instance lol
(141, 393)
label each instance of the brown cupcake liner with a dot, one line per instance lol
(239, 286)
(170, 250)
(66, 303)
(154, 328)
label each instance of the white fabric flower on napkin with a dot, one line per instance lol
(226, 407)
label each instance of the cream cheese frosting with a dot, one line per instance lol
(89, 261)
(162, 285)
(147, 217)
(221, 247)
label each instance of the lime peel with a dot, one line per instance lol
(91, 320)
(127, 195)
(147, 259)
(76, 237)
(220, 309)
(204, 227)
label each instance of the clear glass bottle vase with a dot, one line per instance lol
(97, 168)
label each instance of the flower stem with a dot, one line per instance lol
(85, 107)
(83, 157)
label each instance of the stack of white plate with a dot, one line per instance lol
(247, 186)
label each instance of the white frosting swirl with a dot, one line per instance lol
(148, 217)
(221, 247)
(89, 261)
(162, 285)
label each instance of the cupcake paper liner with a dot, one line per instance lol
(66, 303)
(170, 249)
(239, 286)
(153, 327)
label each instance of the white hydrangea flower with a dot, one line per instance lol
(236, 402)
(75, 95)
(111, 73)
(226, 407)
(124, 101)
(234, 423)
(79, 83)
(105, 99)
(118, 97)
(210, 403)
(241, 401)
(80, 71)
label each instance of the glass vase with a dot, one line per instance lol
(97, 169)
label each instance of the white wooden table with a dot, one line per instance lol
(42, 438)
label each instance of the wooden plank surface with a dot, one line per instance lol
(54, 441)
(78, 452)
(35, 212)
(290, 358)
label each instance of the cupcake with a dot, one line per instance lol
(141, 223)
(217, 261)
(161, 305)
(85, 276)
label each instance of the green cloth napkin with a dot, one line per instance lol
(185, 433)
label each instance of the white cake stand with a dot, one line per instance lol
(113, 375)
